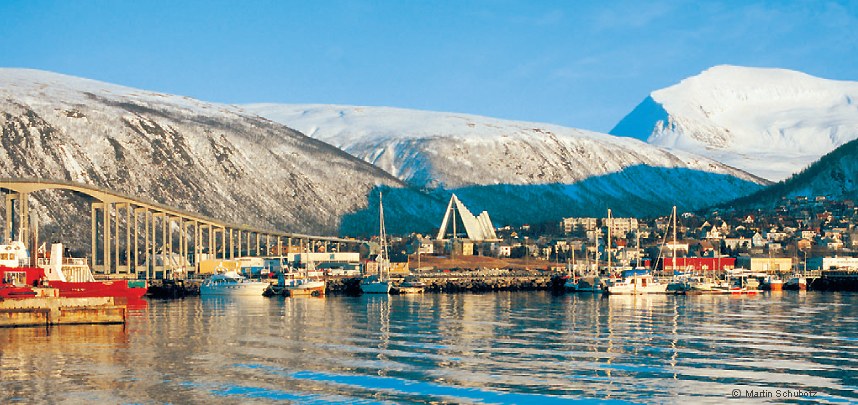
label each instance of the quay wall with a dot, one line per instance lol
(60, 311)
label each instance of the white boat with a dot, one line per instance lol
(380, 283)
(232, 284)
(636, 282)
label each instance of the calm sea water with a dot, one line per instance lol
(457, 348)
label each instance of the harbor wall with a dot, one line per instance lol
(60, 311)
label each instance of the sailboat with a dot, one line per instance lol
(641, 281)
(591, 283)
(380, 283)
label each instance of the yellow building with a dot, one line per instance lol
(765, 264)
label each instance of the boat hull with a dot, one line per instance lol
(376, 287)
(312, 288)
(639, 290)
(107, 288)
(584, 285)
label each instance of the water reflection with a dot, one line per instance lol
(502, 347)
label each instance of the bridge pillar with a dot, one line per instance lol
(23, 228)
(10, 204)
(93, 242)
(231, 245)
(137, 212)
(148, 242)
(198, 247)
(105, 233)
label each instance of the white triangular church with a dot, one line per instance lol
(477, 228)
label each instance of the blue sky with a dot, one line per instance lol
(575, 63)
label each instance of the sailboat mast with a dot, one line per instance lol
(674, 239)
(382, 234)
(596, 256)
(608, 247)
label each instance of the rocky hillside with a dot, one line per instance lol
(208, 158)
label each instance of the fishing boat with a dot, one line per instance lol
(72, 277)
(295, 284)
(772, 282)
(797, 282)
(231, 284)
(379, 283)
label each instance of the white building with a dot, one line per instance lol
(828, 263)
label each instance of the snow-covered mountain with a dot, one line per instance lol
(769, 122)
(202, 157)
(519, 171)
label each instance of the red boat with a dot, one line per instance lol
(71, 276)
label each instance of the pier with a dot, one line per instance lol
(50, 309)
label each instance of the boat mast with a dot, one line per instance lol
(596, 256)
(382, 235)
(674, 240)
(608, 246)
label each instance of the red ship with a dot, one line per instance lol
(71, 276)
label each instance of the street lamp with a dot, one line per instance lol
(526, 252)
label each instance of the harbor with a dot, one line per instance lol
(500, 347)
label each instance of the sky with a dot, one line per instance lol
(577, 63)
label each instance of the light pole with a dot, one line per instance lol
(526, 252)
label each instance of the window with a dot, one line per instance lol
(17, 278)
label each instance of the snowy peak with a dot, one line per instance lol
(770, 122)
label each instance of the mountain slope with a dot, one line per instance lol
(493, 162)
(770, 122)
(834, 176)
(201, 157)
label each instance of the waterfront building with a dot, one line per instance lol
(765, 264)
(829, 263)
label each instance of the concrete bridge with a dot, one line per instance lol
(148, 226)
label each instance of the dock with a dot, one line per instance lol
(48, 309)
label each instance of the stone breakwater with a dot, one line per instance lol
(453, 282)
(463, 282)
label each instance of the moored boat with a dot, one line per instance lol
(379, 283)
(590, 284)
(72, 277)
(772, 282)
(231, 284)
(410, 285)
(294, 284)
(636, 282)
(374, 285)
(796, 282)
